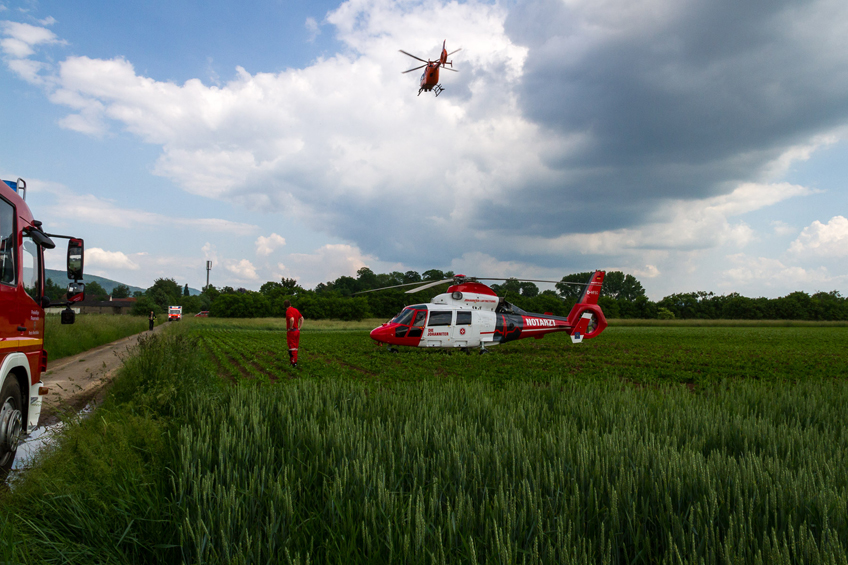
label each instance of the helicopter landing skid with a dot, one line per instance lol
(438, 89)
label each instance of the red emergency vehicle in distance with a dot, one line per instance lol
(470, 314)
(22, 304)
(430, 76)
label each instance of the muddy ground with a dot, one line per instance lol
(76, 381)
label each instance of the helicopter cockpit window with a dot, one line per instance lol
(420, 317)
(440, 318)
(463, 318)
(404, 317)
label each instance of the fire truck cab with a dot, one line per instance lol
(22, 304)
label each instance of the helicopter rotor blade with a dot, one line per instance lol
(450, 69)
(530, 280)
(415, 69)
(429, 285)
(413, 56)
(387, 287)
(452, 52)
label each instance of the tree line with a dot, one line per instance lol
(622, 296)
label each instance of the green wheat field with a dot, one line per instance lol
(655, 444)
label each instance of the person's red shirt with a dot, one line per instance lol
(293, 312)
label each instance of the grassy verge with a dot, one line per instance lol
(424, 457)
(87, 332)
(104, 493)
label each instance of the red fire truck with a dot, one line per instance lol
(22, 304)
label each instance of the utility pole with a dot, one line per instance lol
(208, 268)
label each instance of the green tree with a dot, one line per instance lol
(433, 275)
(185, 290)
(53, 290)
(164, 292)
(621, 287)
(121, 291)
(94, 291)
(571, 286)
(529, 289)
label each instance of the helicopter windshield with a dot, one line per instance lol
(405, 317)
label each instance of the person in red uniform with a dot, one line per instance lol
(294, 321)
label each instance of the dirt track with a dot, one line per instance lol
(77, 380)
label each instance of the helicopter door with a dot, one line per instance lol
(417, 329)
(439, 328)
(484, 322)
(463, 330)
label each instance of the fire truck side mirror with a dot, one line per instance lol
(76, 292)
(68, 316)
(75, 259)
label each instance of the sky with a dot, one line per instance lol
(698, 145)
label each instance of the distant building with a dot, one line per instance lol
(116, 306)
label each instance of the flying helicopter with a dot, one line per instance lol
(430, 76)
(470, 315)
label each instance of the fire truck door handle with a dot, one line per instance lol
(21, 328)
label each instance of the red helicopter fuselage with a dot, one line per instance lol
(430, 76)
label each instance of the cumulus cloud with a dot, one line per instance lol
(266, 245)
(87, 208)
(325, 264)
(243, 269)
(623, 129)
(99, 258)
(20, 39)
(766, 272)
(674, 225)
(312, 27)
(824, 240)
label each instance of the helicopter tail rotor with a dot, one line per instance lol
(586, 318)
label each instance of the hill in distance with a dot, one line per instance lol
(61, 278)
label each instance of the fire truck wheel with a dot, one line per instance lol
(11, 423)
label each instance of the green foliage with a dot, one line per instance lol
(144, 304)
(619, 286)
(665, 314)
(121, 291)
(53, 290)
(87, 332)
(94, 291)
(104, 494)
(165, 292)
(539, 452)
(573, 290)
(241, 305)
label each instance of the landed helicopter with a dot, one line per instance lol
(470, 315)
(430, 76)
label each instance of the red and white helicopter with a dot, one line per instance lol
(470, 314)
(430, 76)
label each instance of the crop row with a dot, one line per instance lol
(332, 471)
(648, 355)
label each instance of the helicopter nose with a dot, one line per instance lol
(380, 334)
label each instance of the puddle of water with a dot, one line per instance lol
(38, 439)
(32, 445)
